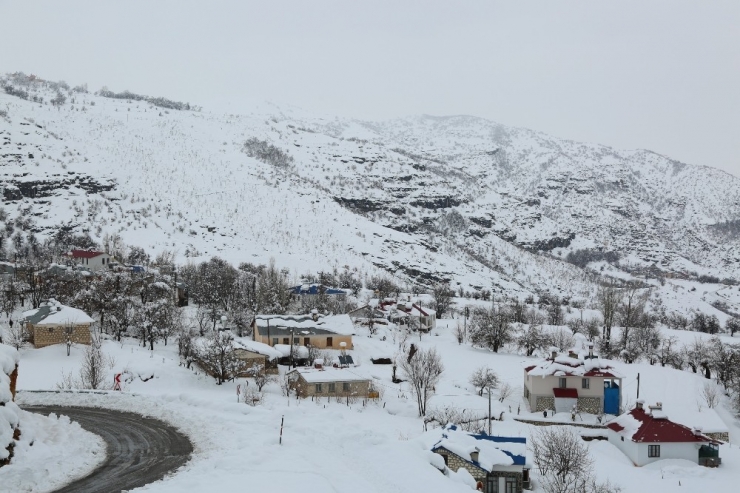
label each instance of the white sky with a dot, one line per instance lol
(661, 75)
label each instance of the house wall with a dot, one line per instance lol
(455, 462)
(45, 335)
(628, 447)
(95, 263)
(356, 389)
(316, 340)
(539, 391)
(688, 451)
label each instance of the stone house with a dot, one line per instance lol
(498, 464)
(316, 331)
(254, 353)
(329, 382)
(649, 436)
(580, 379)
(53, 322)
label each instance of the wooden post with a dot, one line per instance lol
(638, 386)
(282, 421)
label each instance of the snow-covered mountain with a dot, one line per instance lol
(427, 198)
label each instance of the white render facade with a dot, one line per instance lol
(639, 453)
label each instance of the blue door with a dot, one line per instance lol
(611, 397)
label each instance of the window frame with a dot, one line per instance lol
(329, 342)
(586, 383)
(345, 387)
(318, 389)
(653, 451)
(332, 388)
(562, 382)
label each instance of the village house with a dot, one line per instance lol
(316, 331)
(316, 290)
(649, 436)
(329, 382)
(406, 312)
(576, 381)
(53, 322)
(91, 259)
(256, 354)
(498, 464)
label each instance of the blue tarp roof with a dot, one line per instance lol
(315, 289)
(519, 460)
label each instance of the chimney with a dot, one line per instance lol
(59, 308)
(474, 454)
(590, 350)
(639, 403)
(657, 407)
(318, 363)
(697, 430)
(554, 353)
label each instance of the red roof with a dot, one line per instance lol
(530, 368)
(600, 373)
(573, 393)
(656, 430)
(86, 254)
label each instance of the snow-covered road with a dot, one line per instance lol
(140, 450)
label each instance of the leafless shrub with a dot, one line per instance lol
(94, 363)
(252, 396)
(261, 377)
(459, 332)
(464, 418)
(711, 394)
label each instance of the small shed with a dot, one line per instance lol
(329, 382)
(254, 353)
(53, 322)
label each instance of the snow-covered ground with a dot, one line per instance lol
(330, 446)
(51, 452)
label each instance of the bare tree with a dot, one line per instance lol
(423, 371)
(217, 357)
(443, 295)
(484, 378)
(491, 327)
(564, 462)
(16, 336)
(261, 377)
(505, 391)
(609, 298)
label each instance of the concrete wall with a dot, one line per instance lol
(538, 391)
(638, 452)
(44, 335)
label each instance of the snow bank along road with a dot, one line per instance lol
(139, 450)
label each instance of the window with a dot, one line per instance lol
(329, 342)
(622, 438)
(585, 383)
(286, 340)
(653, 450)
(562, 382)
(274, 340)
(306, 341)
(510, 485)
(345, 387)
(318, 388)
(332, 387)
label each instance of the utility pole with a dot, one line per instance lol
(489, 411)
(465, 330)
(638, 385)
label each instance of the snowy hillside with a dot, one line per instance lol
(426, 198)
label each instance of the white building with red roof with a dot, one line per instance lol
(91, 259)
(649, 436)
(579, 380)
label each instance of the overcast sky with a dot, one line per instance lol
(661, 75)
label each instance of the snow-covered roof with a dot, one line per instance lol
(316, 289)
(492, 450)
(54, 313)
(653, 427)
(314, 375)
(338, 324)
(257, 347)
(568, 366)
(284, 350)
(9, 357)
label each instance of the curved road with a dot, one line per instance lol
(139, 450)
